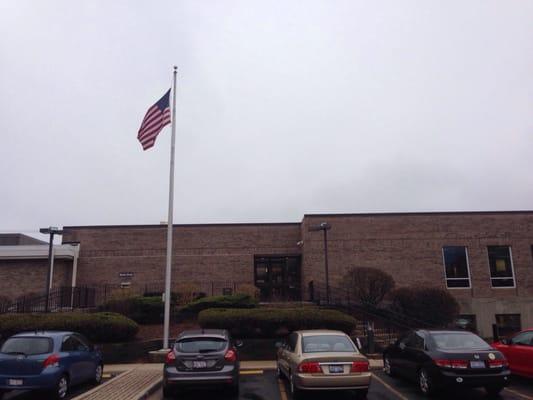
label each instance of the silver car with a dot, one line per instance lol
(202, 359)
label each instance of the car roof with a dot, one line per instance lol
(222, 333)
(48, 334)
(440, 331)
(314, 332)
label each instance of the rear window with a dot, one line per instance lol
(327, 343)
(458, 341)
(27, 345)
(200, 345)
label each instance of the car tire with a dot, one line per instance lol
(361, 394)
(168, 392)
(98, 374)
(494, 390)
(425, 384)
(296, 394)
(387, 366)
(62, 388)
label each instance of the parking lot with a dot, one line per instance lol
(264, 385)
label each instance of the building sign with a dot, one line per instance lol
(125, 274)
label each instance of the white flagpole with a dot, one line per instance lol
(170, 217)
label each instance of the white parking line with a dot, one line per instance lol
(401, 396)
(524, 396)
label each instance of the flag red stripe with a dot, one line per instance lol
(157, 117)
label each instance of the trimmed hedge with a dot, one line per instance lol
(272, 322)
(98, 327)
(233, 301)
(143, 310)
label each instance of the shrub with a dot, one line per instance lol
(143, 310)
(368, 285)
(269, 322)
(233, 301)
(187, 292)
(429, 306)
(98, 327)
(249, 289)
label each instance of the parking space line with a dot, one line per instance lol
(282, 392)
(401, 396)
(524, 396)
(251, 372)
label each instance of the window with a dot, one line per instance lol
(72, 343)
(458, 341)
(201, 345)
(293, 339)
(467, 322)
(456, 267)
(415, 341)
(28, 346)
(501, 266)
(327, 343)
(523, 339)
(508, 324)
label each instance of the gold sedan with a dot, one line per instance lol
(323, 360)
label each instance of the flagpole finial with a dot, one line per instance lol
(175, 67)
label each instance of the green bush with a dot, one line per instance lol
(98, 327)
(270, 322)
(427, 306)
(233, 301)
(143, 310)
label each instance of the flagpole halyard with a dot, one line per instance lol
(168, 269)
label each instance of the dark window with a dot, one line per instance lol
(201, 345)
(415, 341)
(327, 343)
(458, 341)
(27, 345)
(508, 324)
(456, 267)
(523, 339)
(293, 339)
(501, 266)
(72, 343)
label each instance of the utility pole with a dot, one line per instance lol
(53, 230)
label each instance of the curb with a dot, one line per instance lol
(99, 387)
(151, 390)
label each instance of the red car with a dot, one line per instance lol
(518, 350)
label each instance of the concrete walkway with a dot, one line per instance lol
(138, 381)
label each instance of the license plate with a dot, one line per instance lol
(14, 382)
(336, 369)
(199, 364)
(477, 364)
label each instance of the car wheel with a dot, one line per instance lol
(98, 374)
(295, 392)
(387, 366)
(168, 392)
(62, 388)
(424, 382)
(361, 394)
(494, 390)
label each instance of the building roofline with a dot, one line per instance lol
(423, 213)
(164, 226)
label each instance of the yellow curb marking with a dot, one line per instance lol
(401, 396)
(524, 396)
(106, 376)
(251, 372)
(282, 392)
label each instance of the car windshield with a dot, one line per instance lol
(458, 341)
(200, 345)
(327, 343)
(27, 346)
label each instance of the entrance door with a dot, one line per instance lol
(278, 277)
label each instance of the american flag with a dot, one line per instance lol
(155, 119)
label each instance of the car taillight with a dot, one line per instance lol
(359, 366)
(171, 358)
(51, 361)
(231, 355)
(498, 363)
(310, 368)
(455, 364)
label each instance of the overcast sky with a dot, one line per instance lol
(283, 108)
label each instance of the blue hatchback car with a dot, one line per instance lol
(49, 361)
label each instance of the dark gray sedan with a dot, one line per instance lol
(201, 359)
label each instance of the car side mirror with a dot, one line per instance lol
(238, 343)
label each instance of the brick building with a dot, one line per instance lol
(485, 259)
